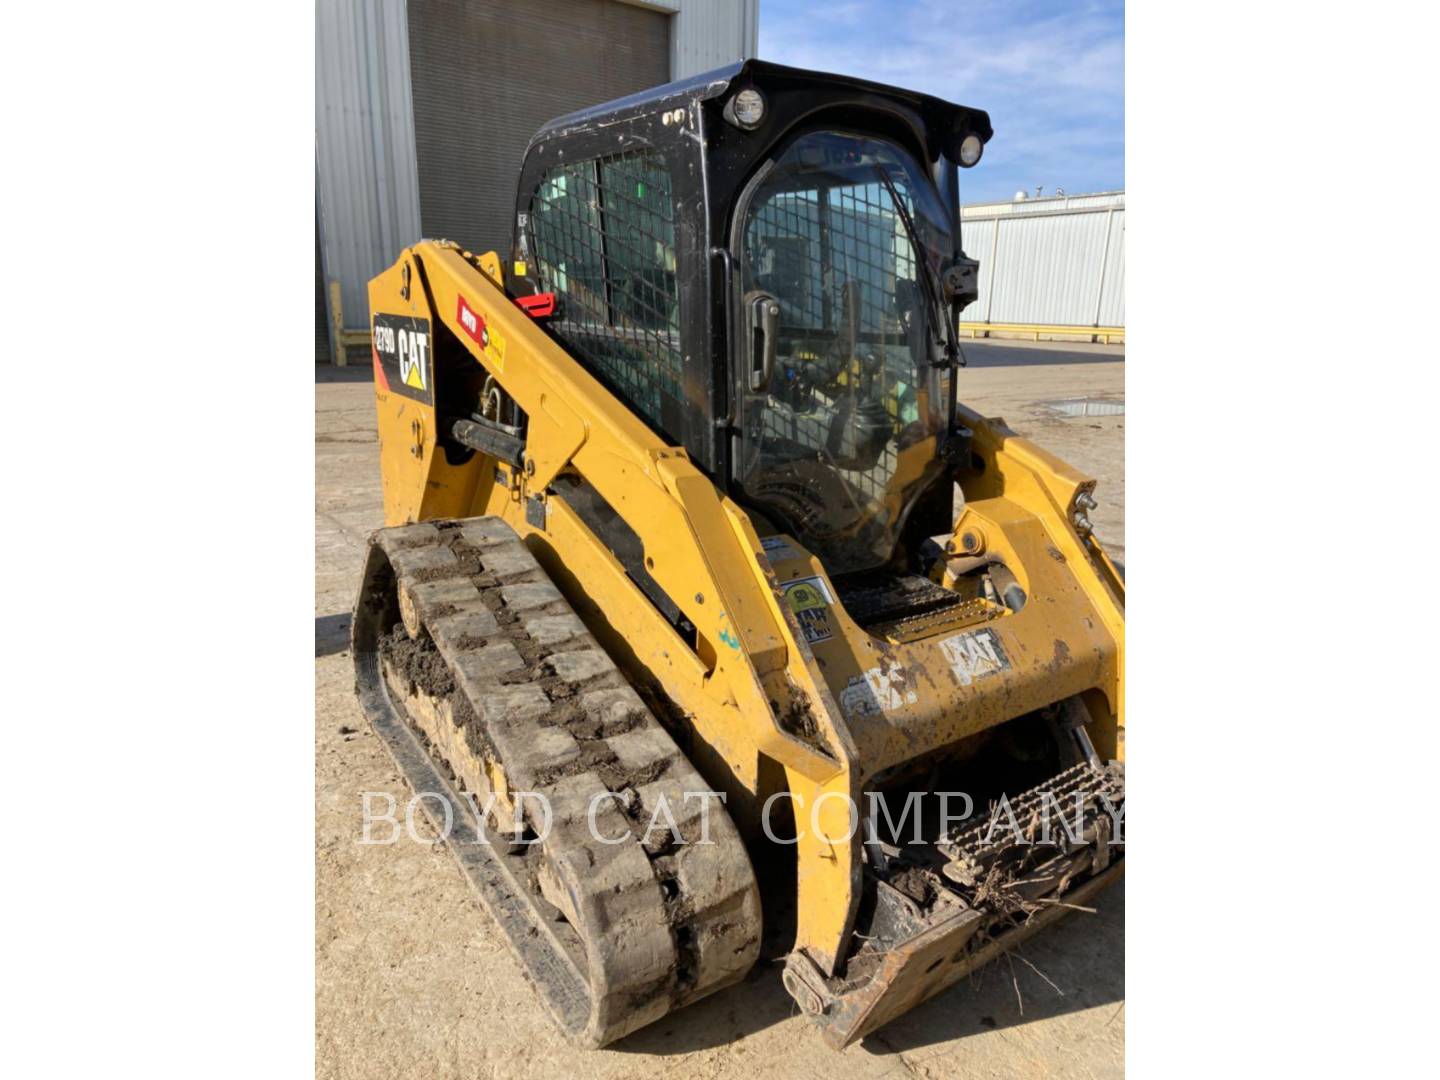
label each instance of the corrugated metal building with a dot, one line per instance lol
(1049, 267)
(423, 111)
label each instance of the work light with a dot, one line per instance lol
(749, 108)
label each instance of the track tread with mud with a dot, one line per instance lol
(503, 679)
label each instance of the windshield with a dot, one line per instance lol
(847, 234)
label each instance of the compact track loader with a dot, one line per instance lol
(717, 621)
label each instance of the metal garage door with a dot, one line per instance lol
(486, 74)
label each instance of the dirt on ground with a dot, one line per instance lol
(413, 980)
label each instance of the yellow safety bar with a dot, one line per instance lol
(1104, 333)
(343, 338)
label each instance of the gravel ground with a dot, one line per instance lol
(412, 979)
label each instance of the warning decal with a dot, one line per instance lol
(472, 322)
(477, 330)
(810, 600)
(402, 345)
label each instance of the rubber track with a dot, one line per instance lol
(647, 927)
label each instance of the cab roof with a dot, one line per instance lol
(946, 123)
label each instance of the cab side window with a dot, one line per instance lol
(603, 238)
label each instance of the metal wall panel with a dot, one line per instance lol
(365, 174)
(482, 99)
(1049, 265)
(977, 238)
(712, 33)
(707, 34)
(1112, 296)
(486, 76)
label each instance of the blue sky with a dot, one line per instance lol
(1051, 76)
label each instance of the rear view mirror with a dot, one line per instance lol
(961, 282)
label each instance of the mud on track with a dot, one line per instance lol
(412, 979)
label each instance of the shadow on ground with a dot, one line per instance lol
(1083, 956)
(755, 1003)
(332, 634)
(329, 373)
(983, 354)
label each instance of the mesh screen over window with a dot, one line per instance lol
(603, 238)
(805, 247)
(844, 234)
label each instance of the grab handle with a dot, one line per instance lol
(763, 323)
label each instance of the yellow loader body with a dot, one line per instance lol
(794, 693)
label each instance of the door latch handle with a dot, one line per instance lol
(763, 319)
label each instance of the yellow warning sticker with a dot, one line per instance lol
(519, 268)
(810, 600)
(805, 595)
